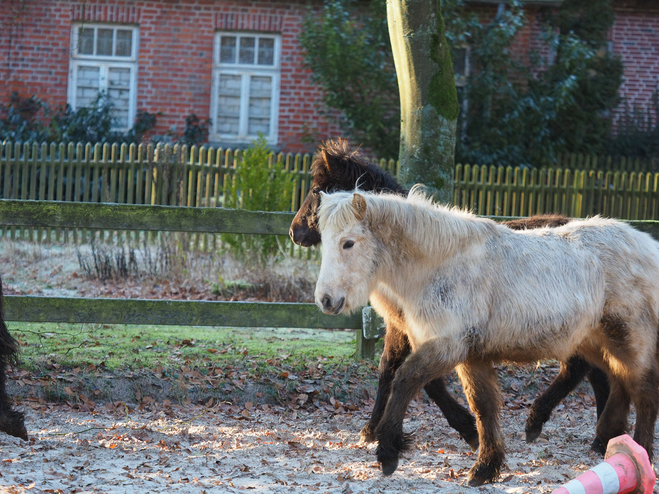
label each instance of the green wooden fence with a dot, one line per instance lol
(195, 176)
(54, 214)
(498, 191)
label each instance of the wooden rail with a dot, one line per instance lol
(173, 312)
(55, 214)
(147, 218)
(167, 218)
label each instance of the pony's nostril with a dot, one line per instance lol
(327, 302)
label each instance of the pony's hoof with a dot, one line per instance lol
(598, 446)
(481, 473)
(367, 434)
(13, 423)
(532, 434)
(473, 442)
(387, 456)
(389, 466)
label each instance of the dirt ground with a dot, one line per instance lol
(225, 448)
(222, 447)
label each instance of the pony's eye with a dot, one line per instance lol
(348, 244)
(316, 191)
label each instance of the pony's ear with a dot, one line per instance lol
(359, 205)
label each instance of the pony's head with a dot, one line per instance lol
(349, 253)
(337, 167)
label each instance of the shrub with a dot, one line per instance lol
(257, 185)
(348, 50)
(638, 131)
(194, 133)
(30, 119)
(23, 119)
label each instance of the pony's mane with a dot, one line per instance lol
(345, 168)
(432, 224)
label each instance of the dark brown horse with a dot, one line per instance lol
(11, 421)
(338, 167)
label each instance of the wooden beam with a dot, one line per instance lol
(105, 216)
(173, 312)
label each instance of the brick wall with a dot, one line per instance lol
(175, 56)
(635, 38)
(176, 49)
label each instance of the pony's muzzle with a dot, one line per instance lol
(301, 235)
(331, 306)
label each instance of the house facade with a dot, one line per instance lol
(236, 62)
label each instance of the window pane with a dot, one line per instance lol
(86, 85)
(119, 94)
(247, 50)
(86, 41)
(228, 104)
(228, 49)
(260, 99)
(104, 42)
(266, 51)
(124, 46)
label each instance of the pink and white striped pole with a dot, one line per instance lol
(626, 469)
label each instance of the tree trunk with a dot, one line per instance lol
(428, 97)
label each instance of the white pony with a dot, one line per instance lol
(475, 292)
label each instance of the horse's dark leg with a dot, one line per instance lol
(613, 420)
(600, 383)
(428, 362)
(643, 392)
(11, 421)
(481, 386)
(571, 374)
(457, 416)
(646, 402)
(396, 350)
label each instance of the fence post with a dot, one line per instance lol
(372, 327)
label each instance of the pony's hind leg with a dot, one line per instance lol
(396, 350)
(613, 420)
(427, 363)
(481, 386)
(646, 402)
(571, 374)
(600, 384)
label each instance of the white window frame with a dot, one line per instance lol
(104, 63)
(246, 71)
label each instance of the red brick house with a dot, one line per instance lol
(235, 61)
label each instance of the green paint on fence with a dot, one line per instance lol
(173, 313)
(144, 218)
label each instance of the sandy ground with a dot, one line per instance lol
(219, 447)
(225, 448)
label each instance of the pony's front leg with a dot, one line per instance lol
(481, 386)
(396, 350)
(427, 363)
(456, 415)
